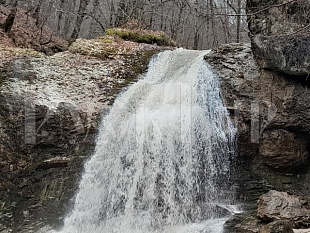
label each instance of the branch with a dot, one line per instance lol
(94, 18)
(231, 6)
(76, 14)
(49, 40)
(256, 12)
(272, 6)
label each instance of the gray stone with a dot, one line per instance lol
(288, 54)
(248, 227)
(279, 31)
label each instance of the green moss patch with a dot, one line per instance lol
(102, 47)
(142, 36)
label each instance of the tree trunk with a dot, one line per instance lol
(80, 17)
(238, 21)
(9, 21)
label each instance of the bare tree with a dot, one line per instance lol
(197, 24)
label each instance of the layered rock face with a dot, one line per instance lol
(266, 88)
(272, 114)
(50, 108)
(280, 34)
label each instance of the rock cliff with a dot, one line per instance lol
(271, 112)
(266, 89)
(280, 34)
(50, 108)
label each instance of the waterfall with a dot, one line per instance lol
(163, 154)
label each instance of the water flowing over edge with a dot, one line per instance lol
(163, 156)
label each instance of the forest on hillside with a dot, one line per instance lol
(194, 24)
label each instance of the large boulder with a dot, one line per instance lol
(277, 212)
(276, 205)
(279, 31)
(283, 150)
(288, 54)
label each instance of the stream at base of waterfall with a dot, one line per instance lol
(163, 158)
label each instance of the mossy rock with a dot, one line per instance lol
(142, 36)
(102, 47)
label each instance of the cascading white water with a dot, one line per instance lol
(163, 154)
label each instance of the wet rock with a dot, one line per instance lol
(272, 113)
(277, 227)
(248, 227)
(236, 223)
(276, 205)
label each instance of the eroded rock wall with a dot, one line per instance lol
(271, 112)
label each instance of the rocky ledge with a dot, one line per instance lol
(50, 108)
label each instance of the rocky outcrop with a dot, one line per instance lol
(288, 54)
(276, 205)
(279, 31)
(272, 114)
(266, 90)
(278, 212)
(276, 227)
(50, 109)
(254, 226)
